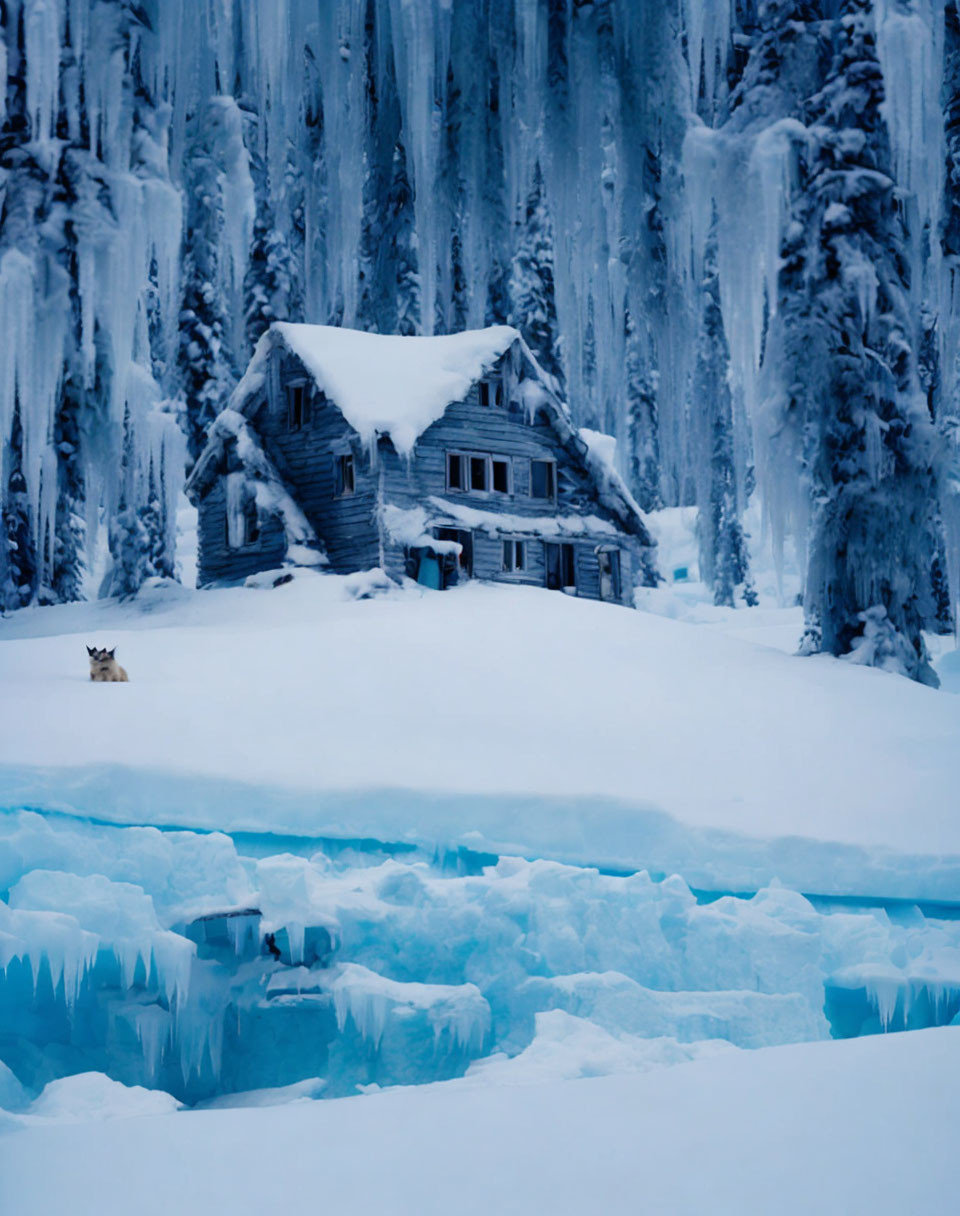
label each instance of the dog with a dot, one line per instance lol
(104, 668)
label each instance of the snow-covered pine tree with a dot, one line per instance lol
(270, 287)
(202, 352)
(19, 570)
(129, 538)
(724, 561)
(850, 404)
(948, 414)
(643, 440)
(533, 305)
(69, 542)
(390, 286)
(401, 234)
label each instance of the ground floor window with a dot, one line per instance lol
(514, 556)
(248, 532)
(560, 561)
(609, 562)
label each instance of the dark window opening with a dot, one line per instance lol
(609, 562)
(543, 479)
(346, 475)
(491, 394)
(514, 556)
(251, 523)
(501, 476)
(454, 471)
(478, 472)
(248, 532)
(561, 570)
(299, 398)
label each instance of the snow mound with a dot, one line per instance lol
(566, 1047)
(90, 1096)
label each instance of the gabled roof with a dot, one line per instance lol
(381, 383)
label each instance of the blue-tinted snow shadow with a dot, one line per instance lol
(611, 834)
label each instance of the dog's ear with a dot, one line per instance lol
(111, 654)
(91, 651)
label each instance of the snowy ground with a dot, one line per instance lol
(486, 692)
(415, 788)
(866, 1126)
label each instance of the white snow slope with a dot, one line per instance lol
(509, 719)
(868, 1125)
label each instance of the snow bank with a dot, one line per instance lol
(835, 778)
(790, 1130)
(90, 1096)
(565, 1048)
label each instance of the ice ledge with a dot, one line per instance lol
(593, 831)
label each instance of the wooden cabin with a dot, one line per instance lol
(434, 458)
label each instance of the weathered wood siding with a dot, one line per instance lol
(306, 460)
(349, 525)
(504, 431)
(216, 561)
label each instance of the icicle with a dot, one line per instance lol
(708, 25)
(42, 24)
(421, 50)
(910, 49)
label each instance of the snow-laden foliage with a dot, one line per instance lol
(178, 175)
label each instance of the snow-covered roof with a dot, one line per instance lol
(381, 383)
(385, 384)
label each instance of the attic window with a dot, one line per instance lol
(514, 556)
(478, 473)
(346, 475)
(491, 394)
(501, 476)
(298, 397)
(543, 479)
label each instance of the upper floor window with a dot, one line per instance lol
(298, 402)
(478, 472)
(346, 475)
(491, 392)
(543, 479)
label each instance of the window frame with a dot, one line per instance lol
(613, 552)
(292, 387)
(486, 399)
(465, 458)
(251, 515)
(518, 544)
(341, 462)
(551, 463)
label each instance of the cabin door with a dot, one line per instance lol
(561, 567)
